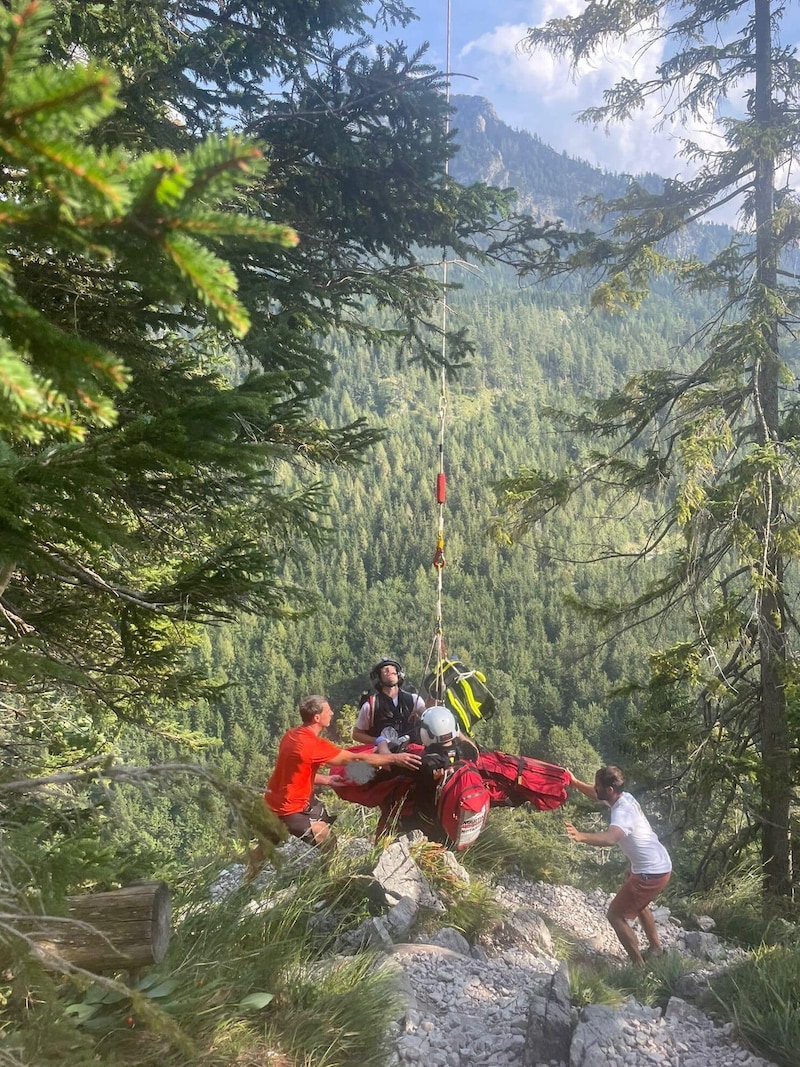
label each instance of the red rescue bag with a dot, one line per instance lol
(516, 780)
(462, 804)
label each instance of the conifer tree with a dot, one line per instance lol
(718, 444)
(134, 478)
(168, 506)
(163, 331)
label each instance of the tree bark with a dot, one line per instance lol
(120, 930)
(776, 783)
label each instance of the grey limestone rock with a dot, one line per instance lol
(526, 926)
(600, 1030)
(399, 876)
(705, 946)
(447, 937)
(679, 1012)
(549, 1033)
(400, 918)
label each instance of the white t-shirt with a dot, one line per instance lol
(640, 844)
(364, 719)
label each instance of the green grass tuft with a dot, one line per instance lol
(532, 843)
(602, 981)
(760, 996)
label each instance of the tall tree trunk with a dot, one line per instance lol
(775, 764)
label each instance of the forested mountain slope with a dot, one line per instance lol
(506, 611)
(560, 683)
(548, 184)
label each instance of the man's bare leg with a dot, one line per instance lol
(323, 837)
(627, 937)
(645, 917)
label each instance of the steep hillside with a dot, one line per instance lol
(548, 184)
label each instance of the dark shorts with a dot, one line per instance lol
(299, 822)
(638, 890)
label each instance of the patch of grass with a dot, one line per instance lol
(529, 842)
(599, 981)
(474, 911)
(471, 907)
(760, 996)
(737, 906)
(566, 944)
(428, 857)
(338, 1018)
(589, 984)
(666, 972)
(247, 981)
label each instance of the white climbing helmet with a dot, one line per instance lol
(437, 724)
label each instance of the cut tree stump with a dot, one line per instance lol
(123, 929)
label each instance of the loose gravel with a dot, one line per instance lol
(473, 1012)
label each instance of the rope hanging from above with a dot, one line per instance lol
(448, 681)
(438, 654)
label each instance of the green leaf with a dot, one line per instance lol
(98, 995)
(255, 1001)
(166, 987)
(81, 1012)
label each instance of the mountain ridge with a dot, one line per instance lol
(548, 183)
(551, 184)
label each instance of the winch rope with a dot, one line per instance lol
(438, 653)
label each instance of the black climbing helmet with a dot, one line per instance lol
(375, 673)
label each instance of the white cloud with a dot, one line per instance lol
(540, 93)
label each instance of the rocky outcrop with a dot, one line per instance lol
(505, 999)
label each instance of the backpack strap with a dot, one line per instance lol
(406, 701)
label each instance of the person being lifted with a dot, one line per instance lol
(445, 747)
(301, 753)
(650, 863)
(389, 706)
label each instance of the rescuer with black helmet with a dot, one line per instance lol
(389, 706)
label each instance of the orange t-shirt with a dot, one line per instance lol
(300, 755)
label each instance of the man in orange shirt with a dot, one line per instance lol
(302, 751)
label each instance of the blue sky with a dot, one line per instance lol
(537, 93)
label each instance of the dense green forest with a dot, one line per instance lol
(221, 380)
(508, 610)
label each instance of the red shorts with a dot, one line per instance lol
(637, 891)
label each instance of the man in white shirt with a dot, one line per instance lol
(650, 863)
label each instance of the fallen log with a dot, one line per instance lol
(123, 929)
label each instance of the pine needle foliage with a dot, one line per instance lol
(712, 448)
(102, 482)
